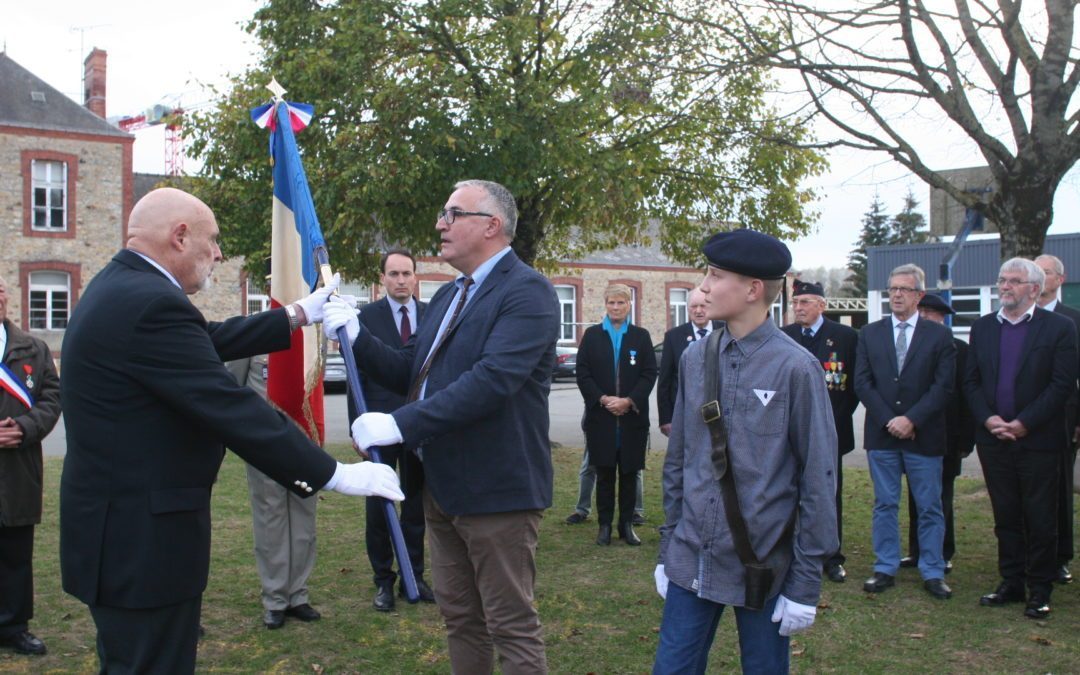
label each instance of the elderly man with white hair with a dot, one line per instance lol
(1022, 366)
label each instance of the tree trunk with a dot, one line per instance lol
(527, 237)
(1023, 211)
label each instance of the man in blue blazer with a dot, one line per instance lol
(149, 407)
(904, 375)
(478, 376)
(1021, 368)
(393, 319)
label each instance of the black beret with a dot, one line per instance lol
(807, 288)
(750, 253)
(934, 302)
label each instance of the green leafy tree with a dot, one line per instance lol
(599, 117)
(909, 226)
(876, 231)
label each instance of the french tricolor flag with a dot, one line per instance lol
(294, 380)
(12, 385)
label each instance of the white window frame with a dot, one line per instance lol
(52, 293)
(428, 287)
(678, 310)
(50, 184)
(567, 313)
(362, 292)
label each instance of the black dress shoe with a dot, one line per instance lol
(24, 643)
(627, 534)
(879, 582)
(274, 618)
(938, 588)
(1064, 576)
(384, 599)
(836, 573)
(1038, 607)
(909, 561)
(603, 537)
(423, 591)
(575, 518)
(1004, 593)
(304, 612)
(638, 519)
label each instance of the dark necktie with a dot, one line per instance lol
(807, 336)
(406, 327)
(701, 333)
(414, 393)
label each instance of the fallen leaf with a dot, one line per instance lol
(1039, 640)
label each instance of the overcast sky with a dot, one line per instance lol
(167, 53)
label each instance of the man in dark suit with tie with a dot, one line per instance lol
(475, 429)
(960, 435)
(835, 346)
(1021, 368)
(393, 319)
(676, 341)
(149, 407)
(1054, 270)
(905, 372)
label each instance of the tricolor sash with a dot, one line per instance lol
(12, 385)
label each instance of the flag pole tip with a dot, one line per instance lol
(276, 89)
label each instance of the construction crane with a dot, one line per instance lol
(174, 140)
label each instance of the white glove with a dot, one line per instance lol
(375, 429)
(336, 314)
(793, 617)
(313, 304)
(661, 581)
(366, 479)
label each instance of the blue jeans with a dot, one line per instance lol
(689, 626)
(924, 480)
(587, 476)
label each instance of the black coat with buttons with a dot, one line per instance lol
(596, 377)
(148, 408)
(921, 391)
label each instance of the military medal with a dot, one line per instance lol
(29, 375)
(633, 357)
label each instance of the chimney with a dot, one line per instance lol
(94, 82)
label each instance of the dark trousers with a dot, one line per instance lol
(16, 579)
(948, 490)
(1023, 487)
(379, 549)
(605, 494)
(155, 640)
(838, 558)
(1065, 551)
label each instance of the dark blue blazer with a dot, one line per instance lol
(483, 423)
(1046, 378)
(921, 392)
(378, 318)
(148, 407)
(676, 341)
(836, 338)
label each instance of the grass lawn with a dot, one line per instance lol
(600, 611)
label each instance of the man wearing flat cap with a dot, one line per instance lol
(749, 502)
(834, 346)
(904, 376)
(960, 441)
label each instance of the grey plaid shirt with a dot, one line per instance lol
(782, 448)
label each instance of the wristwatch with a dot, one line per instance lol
(294, 318)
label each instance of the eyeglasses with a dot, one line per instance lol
(1009, 283)
(892, 290)
(450, 215)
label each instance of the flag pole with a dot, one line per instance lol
(322, 260)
